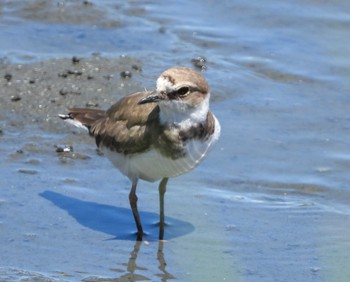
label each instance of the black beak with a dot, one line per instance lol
(152, 98)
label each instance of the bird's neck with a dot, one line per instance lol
(181, 114)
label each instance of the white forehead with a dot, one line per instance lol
(164, 84)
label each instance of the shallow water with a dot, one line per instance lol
(271, 202)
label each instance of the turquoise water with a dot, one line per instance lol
(271, 202)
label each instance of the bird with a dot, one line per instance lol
(154, 135)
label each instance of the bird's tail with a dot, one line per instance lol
(83, 117)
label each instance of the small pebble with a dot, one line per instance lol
(87, 3)
(126, 74)
(200, 62)
(70, 72)
(27, 171)
(91, 104)
(63, 92)
(75, 60)
(63, 75)
(15, 98)
(136, 68)
(315, 269)
(8, 77)
(74, 72)
(66, 148)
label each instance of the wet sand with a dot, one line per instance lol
(37, 92)
(271, 203)
(33, 139)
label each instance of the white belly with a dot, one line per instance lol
(152, 165)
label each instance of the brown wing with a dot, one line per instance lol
(127, 127)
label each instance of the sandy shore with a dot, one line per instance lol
(37, 92)
(271, 202)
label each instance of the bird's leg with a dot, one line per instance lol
(162, 190)
(133, 205)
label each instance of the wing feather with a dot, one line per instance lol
(127, 125)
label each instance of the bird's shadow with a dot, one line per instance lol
(116, 221)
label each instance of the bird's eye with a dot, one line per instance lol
(183, 90)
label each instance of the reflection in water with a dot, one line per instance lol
(132, 267)
(165, 275)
